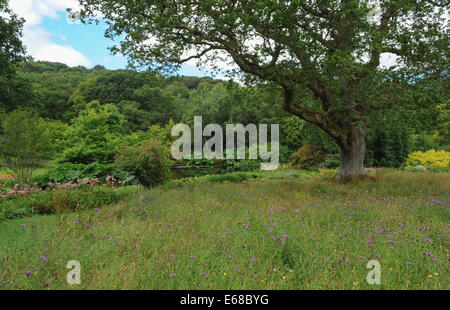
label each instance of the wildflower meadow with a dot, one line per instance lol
(288, 234)
(186, 147)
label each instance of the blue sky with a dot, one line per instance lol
(89, 40)
(48, 35)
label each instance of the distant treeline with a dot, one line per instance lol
(59, 94)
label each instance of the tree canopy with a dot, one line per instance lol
(12, 52)
(326, 55)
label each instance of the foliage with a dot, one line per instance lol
(307, 157)
(16, 91)
(285, 154)
(58, 136)
(148, 106)
(199, 167)
(156, 104)
(115, 86)
(295, 132)
(161, 134)
(231, 177)
(77, 100)
(219, 102)
(291, 134)
(387, 145)
(442, 135)
(421, 142)
(178, 89)
(12, 50)
(331, 161)
(94, 135)
(68, 172)
(236, 177)
(429, 158)
(25, 141)
(62, 201)
(148, 161)
(327, 60)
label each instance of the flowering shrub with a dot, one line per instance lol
(69, 172)
(429, 158)
(50, 186)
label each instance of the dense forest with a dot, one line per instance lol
(134, 105)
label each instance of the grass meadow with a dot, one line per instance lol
(270, 233)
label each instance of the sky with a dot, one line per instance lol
(49, 35)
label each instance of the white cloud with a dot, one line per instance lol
(38, 40)
(35, 10)
(62, 53)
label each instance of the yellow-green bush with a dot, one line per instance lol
(429, 158)
(307, 157)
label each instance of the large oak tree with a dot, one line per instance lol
(326, 55)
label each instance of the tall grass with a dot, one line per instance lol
(293, 233)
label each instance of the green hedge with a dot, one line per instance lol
(63, 200)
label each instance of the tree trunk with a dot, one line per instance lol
(352, 150)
